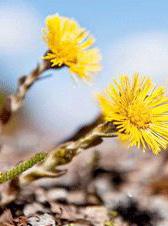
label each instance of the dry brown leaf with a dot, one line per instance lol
(6, 219)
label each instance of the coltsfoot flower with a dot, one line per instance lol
(70, 45)
(139, 111)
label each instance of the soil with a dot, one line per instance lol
(105, 186)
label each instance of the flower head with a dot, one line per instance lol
(138, 110)
(69, 45)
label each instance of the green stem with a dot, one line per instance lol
(21, 167)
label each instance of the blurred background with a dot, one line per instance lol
(132, 36)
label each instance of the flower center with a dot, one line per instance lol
(139, 115)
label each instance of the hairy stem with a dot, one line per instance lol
(64, 154)
(21, 167)
(14, 102)
(45, 165)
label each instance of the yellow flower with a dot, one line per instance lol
(139, 110)
(69, 45)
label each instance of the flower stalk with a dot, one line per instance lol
(64, 154)
(21, 167)
(15, 101)
(45, 165)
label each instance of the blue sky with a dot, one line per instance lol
(108, 20)
(115, 18)
(131, 34)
